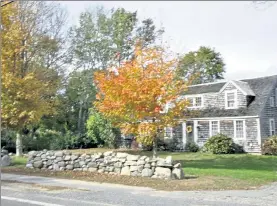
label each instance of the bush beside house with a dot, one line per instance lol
(221, 144)
(270, 146)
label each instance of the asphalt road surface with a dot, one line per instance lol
(20, 190)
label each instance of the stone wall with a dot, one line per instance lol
(108, 162)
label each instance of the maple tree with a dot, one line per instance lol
(136, 95)
(28, 87)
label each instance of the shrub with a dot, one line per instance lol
(221, 144)
(191, 147)
(100, 131)
(270, 146)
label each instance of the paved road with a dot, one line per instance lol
(40, 191)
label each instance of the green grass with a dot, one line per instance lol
(253, 170)
(256, 169)
(19, 161)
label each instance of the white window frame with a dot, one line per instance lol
(210, 126)
(276, 96)
(235, 92)
(272, 125)
(235, 129)
(171, 132)
(193, 97)
(271, 101)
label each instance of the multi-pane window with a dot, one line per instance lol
(239, 130)
(198, 101)
(169, 132)
(214, 128)
(230, 99)
(271, 101)
(272, 126)
(195, 101)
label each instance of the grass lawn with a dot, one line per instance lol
(203, 171)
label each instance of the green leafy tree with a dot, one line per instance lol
(206, 63)
(147, 33)
(100, 131)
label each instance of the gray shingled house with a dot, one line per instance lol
(245, 110)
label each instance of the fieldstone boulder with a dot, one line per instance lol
(108, 153)
(130, 163)
(74, 157)
(163, 172)
(132, 157)
(141, 162)
(147, 165)
(67, 158)
(37, 159)
(38, 164)
(61, 164)
(133, 168)
(178, 173)
(56, 167)
(69, 167)
(92, 169)
(59, 154)
(92, 164)
(146, 172)
(126, 171)
(29, 165)
(118, 164)
(82, 163)
(32, 153)
(178, 165)
(6, 161)
(117, 170)
(121, 155)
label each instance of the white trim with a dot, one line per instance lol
(184, 133)
(232, 82)
(276, 96)
(170, 133)
(235, 129)
(271, 101)
(222, 118)
(218, 82)
(259, 131)
(272, 129)
(210, 126)
(195, 131)
(235, 92)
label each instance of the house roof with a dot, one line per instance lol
(205, 88)
(244, 86)
(260, 87)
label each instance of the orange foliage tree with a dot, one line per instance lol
(136, 95)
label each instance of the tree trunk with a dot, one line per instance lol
(19, 145)
(155, 145)
(80, 119)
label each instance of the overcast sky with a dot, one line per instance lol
(246, 36)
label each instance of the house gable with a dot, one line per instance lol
(248, 105)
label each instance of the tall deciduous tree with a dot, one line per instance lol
(30, 60)
(103, 38)
(205, 62)
(133, 96)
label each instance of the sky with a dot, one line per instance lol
(244, 34)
